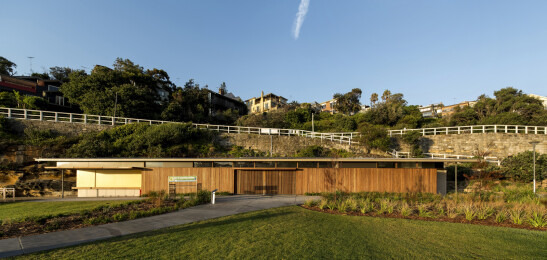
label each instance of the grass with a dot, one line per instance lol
(27, 209)
(295, 233)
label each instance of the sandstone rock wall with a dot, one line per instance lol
(499, 145)
(284, 145)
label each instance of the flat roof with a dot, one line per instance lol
(322, 159)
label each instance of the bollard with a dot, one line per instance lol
(213, 199)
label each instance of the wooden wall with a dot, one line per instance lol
(266, 181)
(155, 179)
(299, 181)
(366, 179)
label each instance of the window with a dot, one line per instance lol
(59, 100)
(307, 165)
(286, 164)
(202, 164)
(222, 164)
(244, 164)
(264, 164)
(386, 165)
(358, 165)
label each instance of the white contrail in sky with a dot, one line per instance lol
(302, 11)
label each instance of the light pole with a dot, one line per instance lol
(533, 143)
(312, 126)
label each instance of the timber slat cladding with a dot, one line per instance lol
(266, 181)
(301, 181)
(156, 179)
(313, 180)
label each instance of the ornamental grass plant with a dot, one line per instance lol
(481, 208)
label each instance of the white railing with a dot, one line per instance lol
(490, 159)
(51, 116)
(5, 191)
(474, 129)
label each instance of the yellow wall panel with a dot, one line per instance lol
(85, 178)
(119, 178)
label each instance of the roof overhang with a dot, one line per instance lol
(322, 159)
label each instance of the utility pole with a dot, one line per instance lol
(312, 126)
(533, 143)
(30, 61)
(115, 105)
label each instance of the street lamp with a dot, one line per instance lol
(533, 143)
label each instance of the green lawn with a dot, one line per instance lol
(294, 233)
(20, 210)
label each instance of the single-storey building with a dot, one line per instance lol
(135, 176)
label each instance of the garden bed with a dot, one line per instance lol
(464, 208)
(155, 205)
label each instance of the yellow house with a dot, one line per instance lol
(265, 103)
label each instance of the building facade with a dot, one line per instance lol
(33, 86)
(136, 176)
(433, 110)
(449, 110)
(265, 103)
(328, 106)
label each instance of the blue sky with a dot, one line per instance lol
(431, 51)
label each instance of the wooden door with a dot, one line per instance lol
(265, 182)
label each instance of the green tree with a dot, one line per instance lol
(373, 99)
(7, 99)
(520, 166)
(43, 75)
(189, 103)
(348, 103)
(374, 137)
(136, 90)
(7, 67)
(389, 111)
(60, 73)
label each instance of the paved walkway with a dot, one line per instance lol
(224, 206)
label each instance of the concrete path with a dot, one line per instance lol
(224, 206)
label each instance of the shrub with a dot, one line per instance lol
(342, 206)
(366, 206)
(310, 203)
(405, 209)
(203, 197)
(537, 219)
(423, 211)
(96, 220)
(520, 167)
(516, 215)
(352, 204)
(323, 204)
(469, 212)
(501, 216)
(484, 211)
(120, 216)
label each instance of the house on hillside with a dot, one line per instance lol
(222, 100)
(449, 110)
(328, 106)
(432, 110)
(542, 98)
(265, 103)
(34, 86)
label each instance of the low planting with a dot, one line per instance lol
(464, 208)
(157, 203)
